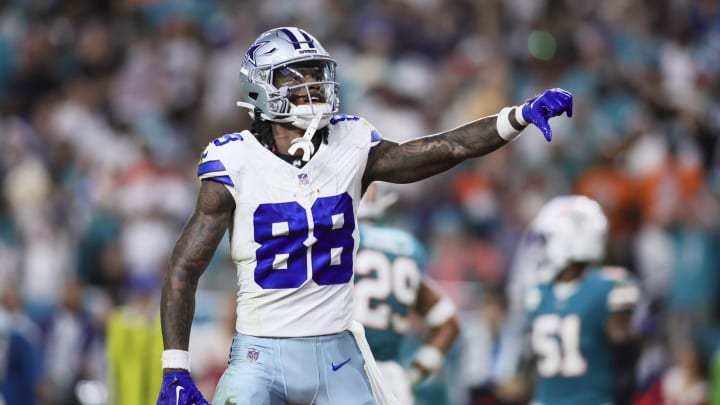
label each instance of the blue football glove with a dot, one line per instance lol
(178, 388)
(550, 103)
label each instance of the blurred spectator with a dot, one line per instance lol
(694, 279)
(475, 193)
(460, 258)
(33, 74)
(492, 345)
(11, 247)
(134, 345)
(68, 338)
(613, 189)
(684, 382)
(100, 261)
(228, 40)
(715, 378)
(394, 104)
(21, 364)
(667, 188)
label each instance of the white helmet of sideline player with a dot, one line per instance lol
(567, 229)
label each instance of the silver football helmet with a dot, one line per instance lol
(273, 79)
(568, 229)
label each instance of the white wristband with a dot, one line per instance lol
(176, 359)
(510, 122)
(430, 358)
(443, 310)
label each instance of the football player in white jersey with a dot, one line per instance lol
(390, 284)
(288, 190)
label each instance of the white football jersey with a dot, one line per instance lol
(294, 234)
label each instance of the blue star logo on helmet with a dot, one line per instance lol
(250, 54)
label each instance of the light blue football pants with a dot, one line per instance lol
(321, 370)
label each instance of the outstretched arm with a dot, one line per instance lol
(192, 253)
(421, 158)
(424, 157)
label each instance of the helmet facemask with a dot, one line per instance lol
(302, 100)
(290, 99)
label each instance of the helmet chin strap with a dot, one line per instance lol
(301, 121)
(305, 143)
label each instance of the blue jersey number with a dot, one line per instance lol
(227, 138)
(283, 232)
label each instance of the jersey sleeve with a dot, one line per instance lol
(215, 163)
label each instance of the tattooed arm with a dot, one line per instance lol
(193, 251)
(421, 158)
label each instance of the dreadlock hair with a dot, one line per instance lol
(263, 131)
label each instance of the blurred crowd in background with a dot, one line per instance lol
(105, 107)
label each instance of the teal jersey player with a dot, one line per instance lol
(577, 311)
(388, 273)
(569, 336)
(389, 286)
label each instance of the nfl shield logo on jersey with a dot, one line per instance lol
(253, 355)
(303, 179)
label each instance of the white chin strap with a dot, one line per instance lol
(301, 113)
(305, 143)
(300, 117)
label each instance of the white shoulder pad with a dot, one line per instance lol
(360, 130)
(216, 160)
(623, 296)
